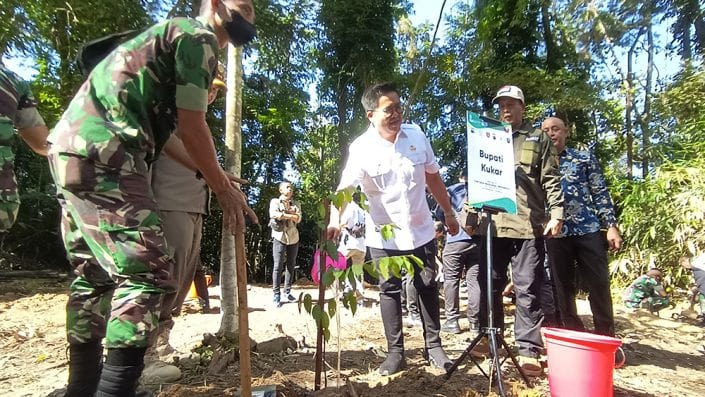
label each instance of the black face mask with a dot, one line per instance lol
(239, 30)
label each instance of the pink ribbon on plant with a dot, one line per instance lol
(340, 264)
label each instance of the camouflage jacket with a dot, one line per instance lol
(124, 112)
(18, 109)
(642, 288)
(538, 186)
(588, 206)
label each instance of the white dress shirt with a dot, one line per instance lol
(393, 177)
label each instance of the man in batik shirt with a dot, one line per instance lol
(582, 246)
(100, 153)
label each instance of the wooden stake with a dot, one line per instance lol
(243, 323)
(321, 297)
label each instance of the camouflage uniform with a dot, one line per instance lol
(101, 148)
(644, 292)
(18, 109)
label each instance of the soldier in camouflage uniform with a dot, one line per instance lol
(647, 292)
(582, 245)
(100, 152)
(18, 109)
(518, 240)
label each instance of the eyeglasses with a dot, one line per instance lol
(390, 110)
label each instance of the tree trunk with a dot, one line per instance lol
(628, 126)
(553, 62)
(699, 24)
(195, 8)
(629, 103)
(342, 107)
(233, 160)
(645, 116)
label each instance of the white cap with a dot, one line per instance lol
(509, 91)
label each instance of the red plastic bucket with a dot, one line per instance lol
(580, 363)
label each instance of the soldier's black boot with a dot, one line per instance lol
(121, 372)
(85, 363)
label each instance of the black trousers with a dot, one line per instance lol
(526, 259)
(424, 281)
(284, 256)
(458, 256)
(586, 255)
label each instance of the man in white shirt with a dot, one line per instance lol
(394, 164)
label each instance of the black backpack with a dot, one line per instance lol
(91, 53)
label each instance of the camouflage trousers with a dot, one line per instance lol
(113, 238)
(651, 303)
(9, 198)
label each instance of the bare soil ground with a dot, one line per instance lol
(664, 356)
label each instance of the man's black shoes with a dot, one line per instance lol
(438, 358)
(394, 363)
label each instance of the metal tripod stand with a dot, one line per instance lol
(493, 334)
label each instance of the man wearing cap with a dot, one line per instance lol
(518, 239)
(100, 153)
(182, 197)
(581, 245)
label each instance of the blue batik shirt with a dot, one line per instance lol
(588, 206)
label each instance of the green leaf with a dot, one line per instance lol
(328, 278)
(363, 202)
(353, 304)
(395, 265)
(415, 259)
(346, 300)
(332, 307)
(357, 269)
(326, 334)
(387, 231)
(351, 278)
(325, 320)
(371, 269)
(308, 303)
(321, 211)
(383, 265)
(300, 301)
(339, 274)
(317, 313)
(331, 249)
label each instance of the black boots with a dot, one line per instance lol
(121, 372)
(85, 363)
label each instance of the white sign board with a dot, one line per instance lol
(491, 181)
